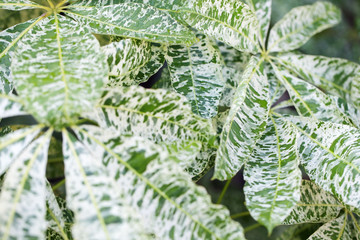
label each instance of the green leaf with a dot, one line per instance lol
(272, 175)
(12, 144)
(159, 115)
(18, 4)
(124, 19)
(229, 21)
(183, 151)
(125, 58)
(92, 196)
(8, 40)
(22, 211)
(334, 75)
(276, 88)
(262, 10)
(164, 81)
(59, 71)
(329, 155)
(336, 229)
(315, 206)
(159, 189)
(310, 101)
(197, 74)
(246, 121)
(300, 24)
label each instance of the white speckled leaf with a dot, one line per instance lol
(300, 24)
(196, 73)
(234, 63)
(330, 155)
(92, 195)
(159, 115)
(125, 58)
(124, 19)
(8, 40)
(10, 107)
(348, 109)
(276, 88)
(311, 101)
(295, 232)
(22, 210)
(246, 121)
(262, 10)
(334, 230)
(12, 144)
(159, 190)
(334, 75)
(315, 206)
(18, 4)
(54, 217)
(59, 71)
(272, 175)
(184, 152)
(229, 21)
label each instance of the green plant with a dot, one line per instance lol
(129, 156)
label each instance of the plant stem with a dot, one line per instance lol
(239, 215)
(59, 184)
(252, 227)
(223, 191)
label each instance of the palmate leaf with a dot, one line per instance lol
(8, 40)
(10, 106)
(92, 195)
(12, 144)
(196, 73)
(123, 20)
(300, 24)
(125, 58)
(276, 88)
(272, 175)
(310, 101)
(22, 211)
(158, 115)
(262, 10)
(329, 153)
(229, 21)
(246, 121)
(315, 206)
(59, 71)
(335, 75)
(335, 229)
(18, 4)
(159, 189)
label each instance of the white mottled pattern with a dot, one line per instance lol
(315, 206)
(335, 229)
(17, 4)
(300, 24)
(272, 175)
(10, 108)
(246, 121)
(22, 210)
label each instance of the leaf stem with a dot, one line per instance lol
(59, 184)
(223, 191)
(239, 215)
(252, 227)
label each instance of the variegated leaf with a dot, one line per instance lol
(155, 63)
(18, 4)
(161, 4)
(159, 115)
(276, 88)
(125, 58)
(59, 71)
(10, 106)
(311, 101)
(315, 206)
(164, 82)
(233, 67)
(12, 144)
(300, 24)
(8, 40)
(297, 232)
(196, 73)
(335, 229)
(229, 21)
(92, 195)
(183, 152)
(159, 189)
(330, 155)
(334, 75)
(124, 19)
(22, 211)
(262, 10)
(246, 121)
(272, 175)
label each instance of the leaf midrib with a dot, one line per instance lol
(147, 181)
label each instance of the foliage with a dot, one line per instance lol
(87, 153)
